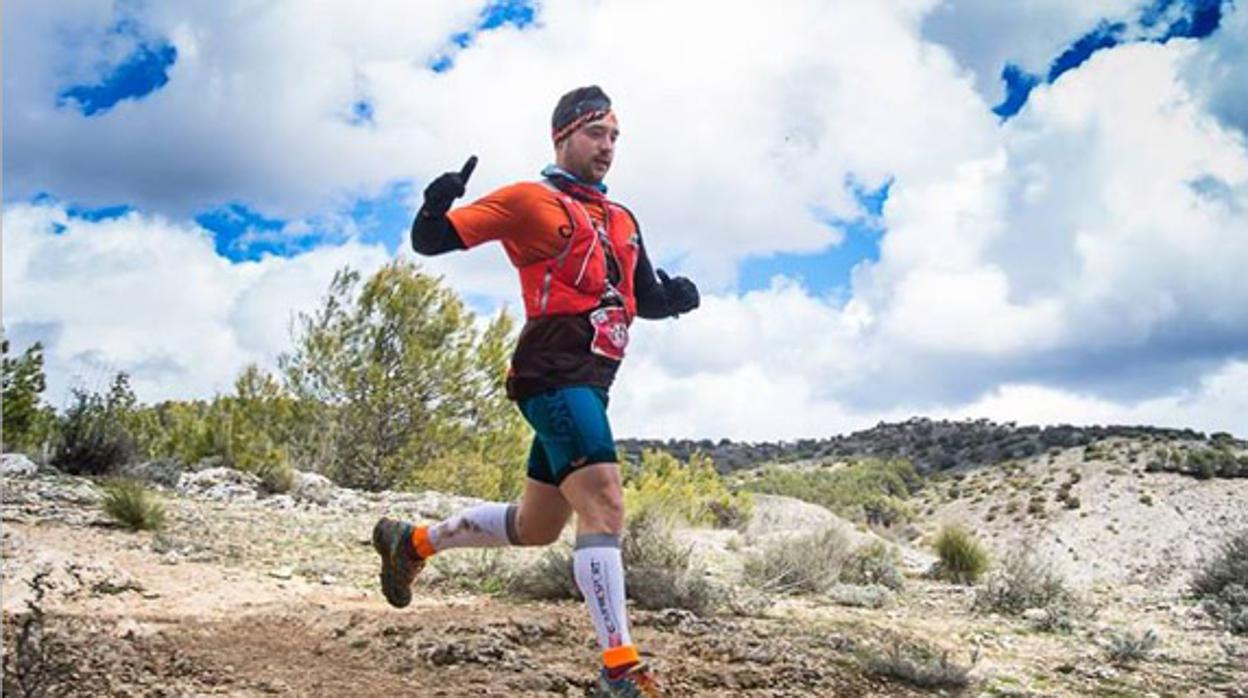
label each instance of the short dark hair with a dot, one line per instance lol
(578, 102)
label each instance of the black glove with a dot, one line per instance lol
(682, 296)
(443, 191)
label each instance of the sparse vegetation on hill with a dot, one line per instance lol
(931, 445)
(1218, 460)
(872, 491)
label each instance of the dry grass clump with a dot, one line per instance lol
(659, 572)
(875, 564)
(483, 571)
(132, 505)
(862, 596)
(1128, 647)
(548, 579)
(963, 559)
(1024, 583)
(916, 664)
(806, 565)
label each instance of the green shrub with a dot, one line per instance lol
(659, 573)
(877, 563)
(691, 491)
(29, 423)
(1036, 505)
(94, 439)
(1222, 584)
(132, 505)
(916, 664)
(1130, 648)
(861, 596)
(548, 579)
(1022, 582)
(805, 565)
(962, 559)
(873, 491)
(481, 571)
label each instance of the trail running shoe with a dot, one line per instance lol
(399, 563)
(639, 682)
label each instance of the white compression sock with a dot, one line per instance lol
(599, 572)
(483, 526)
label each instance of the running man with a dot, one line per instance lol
(585, 276)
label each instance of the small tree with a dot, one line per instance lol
(27, 422)
(259, 424)
(184, 430)
(94, 438)
(395, 375)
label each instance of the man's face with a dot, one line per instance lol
(588, 152)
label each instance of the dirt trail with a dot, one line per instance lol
(244, 598)
(132, 625)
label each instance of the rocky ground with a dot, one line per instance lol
(243, 594)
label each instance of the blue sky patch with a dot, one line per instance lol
(518, 13)
(499, 13)
(1106, 35)
(102, 213)
(141, 73)
(1159, 22)
(1202, 19)
(1018, 86)
(827, 270)
(385, 218)
(361, 113)
(241, 234)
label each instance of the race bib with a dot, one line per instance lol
(610, 332)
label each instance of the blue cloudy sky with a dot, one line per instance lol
(1034, 211)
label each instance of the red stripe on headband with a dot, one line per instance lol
(578, 122)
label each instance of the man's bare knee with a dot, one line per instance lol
(533, 536)
(604, 513)
(595, 493)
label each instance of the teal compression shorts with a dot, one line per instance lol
(572, 430)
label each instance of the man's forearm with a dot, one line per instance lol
(433, 235)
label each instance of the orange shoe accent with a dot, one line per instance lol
(421, 543)
(622, 656)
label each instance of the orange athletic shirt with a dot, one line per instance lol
(526, 217)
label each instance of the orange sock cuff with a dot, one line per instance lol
(622, 656)
(421, 543)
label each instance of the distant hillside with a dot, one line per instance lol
(932, 445)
